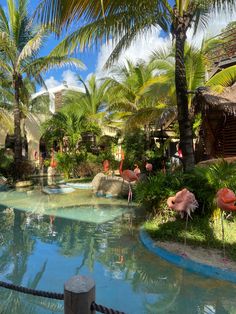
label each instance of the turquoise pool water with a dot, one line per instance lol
(46, 239)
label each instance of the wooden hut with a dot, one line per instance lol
(217, 136)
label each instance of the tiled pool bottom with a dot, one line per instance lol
(47, 239)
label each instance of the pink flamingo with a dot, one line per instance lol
(225, 199)
(183, 202)
(127, 175)
(149, 167)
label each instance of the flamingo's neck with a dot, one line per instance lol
(121, 166)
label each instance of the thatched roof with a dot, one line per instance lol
(206, 99)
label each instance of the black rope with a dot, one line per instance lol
(39, 293)
(57, 296)
(103, 309)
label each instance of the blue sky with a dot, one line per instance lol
(89, 58)
(140, 49)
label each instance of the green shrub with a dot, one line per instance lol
(65, 163)
(153, 192)
(6, 162)
(91, 158)
(87, 169)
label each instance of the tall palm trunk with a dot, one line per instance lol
(17, 125)
(185, 125)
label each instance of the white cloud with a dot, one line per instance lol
(70, 77)
(88, 77)
(67, 76)
(217, 22)
(142, 47)
(50, 83)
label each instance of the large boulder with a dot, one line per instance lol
(110, 186)
(3, 180)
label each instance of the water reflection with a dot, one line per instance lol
(42, 251)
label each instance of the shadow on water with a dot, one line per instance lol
(43, 251)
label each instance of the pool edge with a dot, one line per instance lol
(186, 263)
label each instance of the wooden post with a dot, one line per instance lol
(79, 293)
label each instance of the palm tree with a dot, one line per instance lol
(20, 42)
(92, 102)
(70, 123)
(130, 96)
(124, 21)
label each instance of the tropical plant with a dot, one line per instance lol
(6, 162)
(92, 102)
(129, 94)
(225, 78)
(20, 42)
(164, 62)
(65, 163)
(134, 145)
(66, 124)
(124, 21)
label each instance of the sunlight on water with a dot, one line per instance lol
(80, 205)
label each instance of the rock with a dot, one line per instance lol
(23, 184)
(96, 181)
(110, 186)
(3, 180)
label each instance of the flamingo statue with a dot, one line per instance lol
(127, 175)
(184, 202)
(225, 199)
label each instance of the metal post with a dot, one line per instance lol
(79, 293)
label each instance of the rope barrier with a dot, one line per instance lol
(54, 295)
(103, 309)
(40, 293)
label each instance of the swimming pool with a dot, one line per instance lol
(46, 239)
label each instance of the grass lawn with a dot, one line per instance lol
(201, 231)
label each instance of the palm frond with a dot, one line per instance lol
(142, 117)
(6, 120)
(4, 27)
(32, 46)
(44, 64)
(225, 78)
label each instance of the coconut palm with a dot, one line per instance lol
(164, 61)
(20, 42)
(68, 123)
(92, 102)
(124, 21)
(129, 94)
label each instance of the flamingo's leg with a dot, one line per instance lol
(223, 232)
(185, 233)
(130, 194)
